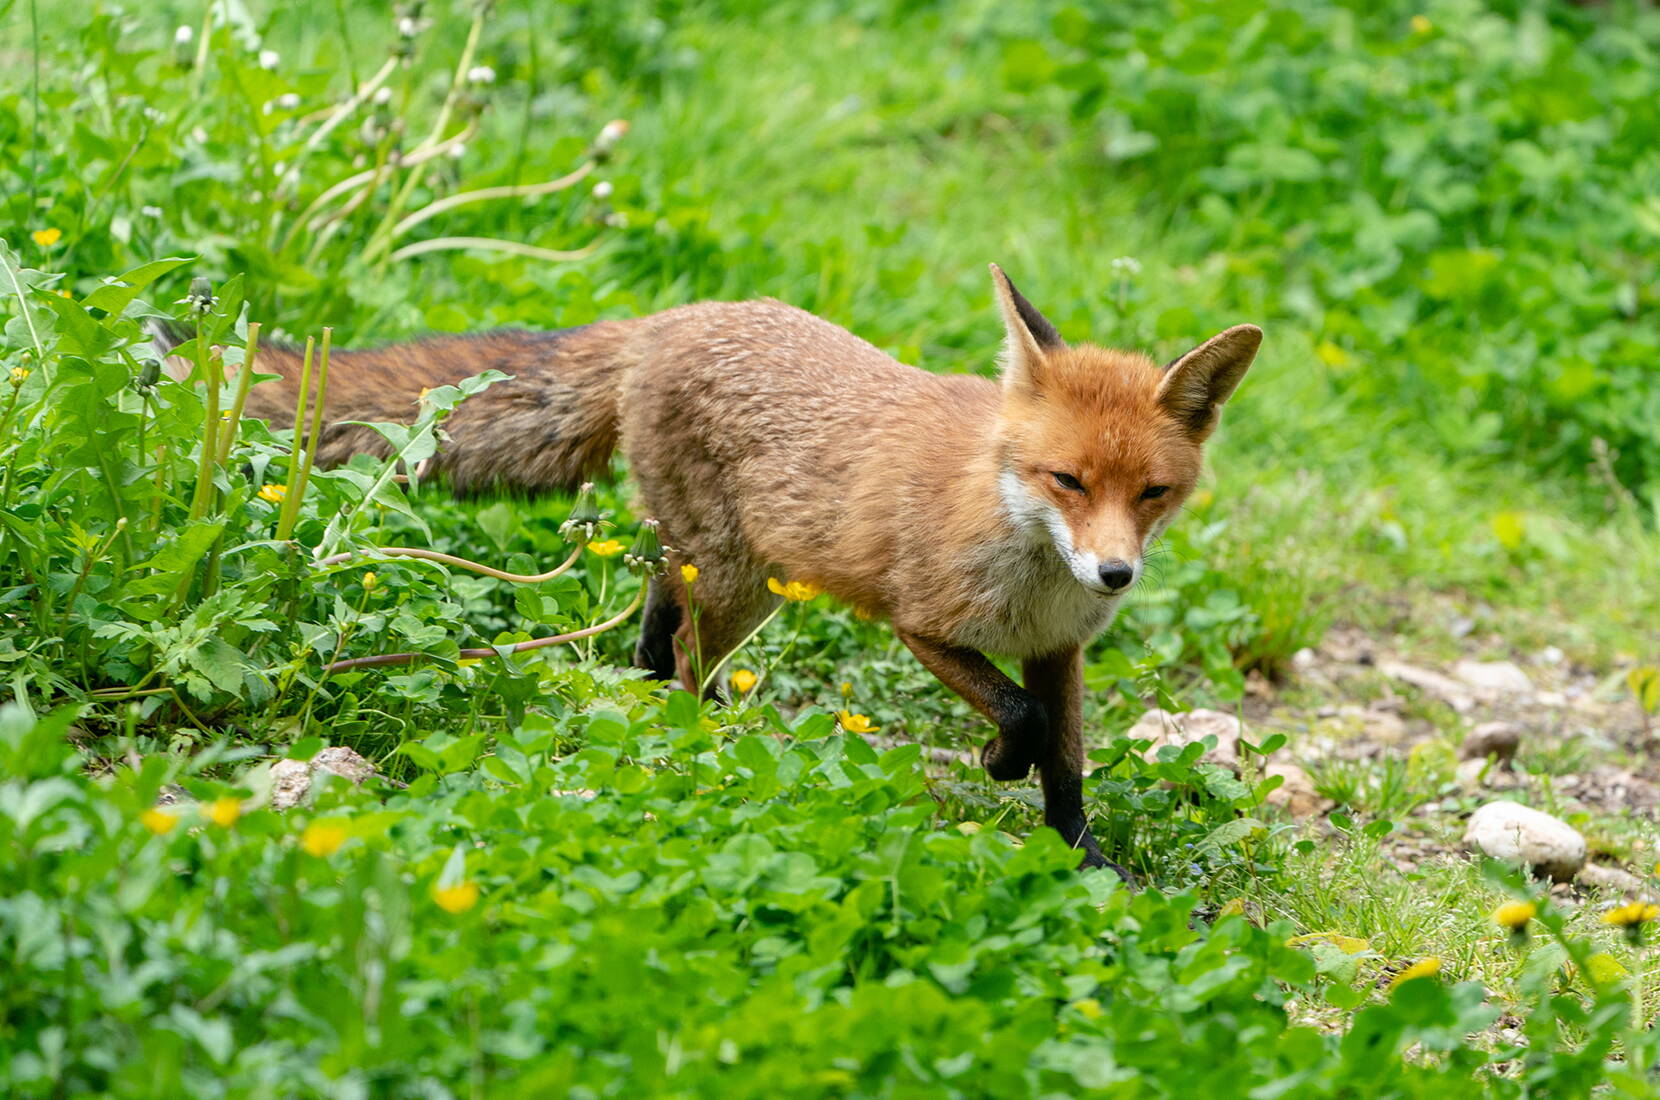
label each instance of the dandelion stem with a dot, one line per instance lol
(317, 408)
(492, 651)
(244, 380)
(491, 244)
(485, 194)
(290, 499)
(460, 563)
(383, 236)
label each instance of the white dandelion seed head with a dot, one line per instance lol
(611, 133)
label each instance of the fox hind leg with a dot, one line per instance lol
(662, 617)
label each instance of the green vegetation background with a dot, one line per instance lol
(1445, 218)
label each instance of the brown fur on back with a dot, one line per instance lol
(553, 424)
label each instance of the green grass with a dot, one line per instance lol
(1439, 224)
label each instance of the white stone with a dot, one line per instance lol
(1445, 688)
(1511, 831)
(1162, 727)
(291, 780)
(1501, 679)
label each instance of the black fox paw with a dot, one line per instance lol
(1004, 762)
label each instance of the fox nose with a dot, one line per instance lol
(1116, 574)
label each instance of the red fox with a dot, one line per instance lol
(978, 516)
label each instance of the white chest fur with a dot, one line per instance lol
(1029, 603)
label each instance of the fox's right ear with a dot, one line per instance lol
(1027, 336)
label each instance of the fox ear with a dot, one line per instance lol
(1028, 335)
(1196, 385)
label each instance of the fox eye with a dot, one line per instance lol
(1067, 481)
(1153, 492)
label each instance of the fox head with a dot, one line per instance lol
(1099, 448)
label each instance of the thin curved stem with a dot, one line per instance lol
(461, 563)
(485, 194)
(491, 244)
(384, 659)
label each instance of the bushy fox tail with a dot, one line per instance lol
(551, 426)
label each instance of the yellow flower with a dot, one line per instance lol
(371, 581)
(688, 573)
(20, 375)
(1632, 914)
(744, 680)
(798, 591)
(606, 548)
(456, 899)
(1424, 968)
(323, 838)
(1421, 24)
(1514, 915)
(46, 238)
(159, 822)
(847, 689)
(1349, 945)
(855, 723)
(273, 494)
(1089, 1008)
(1234, 908)
(1605, 968)
(223, 812)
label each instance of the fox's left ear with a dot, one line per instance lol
(1197, 385)
(1028, 336)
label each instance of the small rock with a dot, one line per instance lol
(1511, 831)
(291, 779)
(1498, 679)
(344, 763)
(1297, 794)
(1495, 739)
(1161, 727)
(1550, 655)
(1445, 688)
(1613, 879)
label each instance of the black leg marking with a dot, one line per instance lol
(661, 619)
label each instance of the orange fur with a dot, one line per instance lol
(768, 442)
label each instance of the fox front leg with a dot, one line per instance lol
(1057, 682)
(1022, 725)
